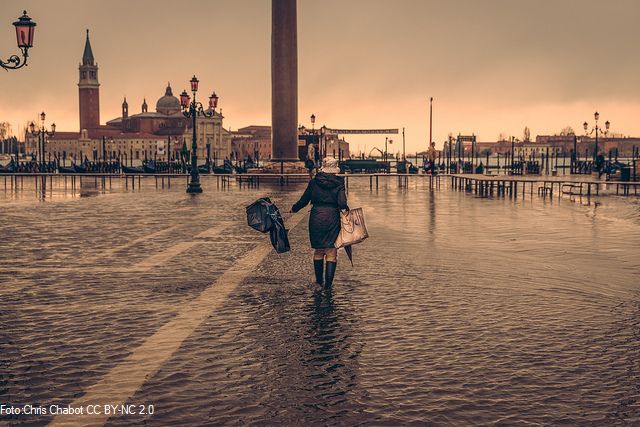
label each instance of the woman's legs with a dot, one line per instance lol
(332, 262)
(331, 255)
(318, 265)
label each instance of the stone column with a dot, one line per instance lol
(284, 81)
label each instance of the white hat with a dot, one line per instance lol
(330, 165)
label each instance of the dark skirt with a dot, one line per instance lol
(324, 226)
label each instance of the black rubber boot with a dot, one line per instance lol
(331, 271)
(318, 266)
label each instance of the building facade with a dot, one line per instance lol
(562, 145)
(145, 135)
(251, 142)
(255, 142)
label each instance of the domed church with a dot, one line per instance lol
(141, 135)
(166, 120)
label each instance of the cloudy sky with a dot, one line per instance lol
(492, 66)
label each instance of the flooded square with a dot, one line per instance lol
(458, 309)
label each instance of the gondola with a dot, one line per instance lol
(81, 168)
(64, 169)
(132, 169)
(149, 167)
(205, 169)
(405, 166)
(226, 168)
(10, 168)
(222, 170)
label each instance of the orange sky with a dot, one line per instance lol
(492, 66)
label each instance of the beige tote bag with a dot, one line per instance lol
(352, 228)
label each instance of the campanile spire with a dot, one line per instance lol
(88, 86)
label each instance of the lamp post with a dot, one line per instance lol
(513, 141)
(41, 133)
(596, 129)
(191, 109)
(404, 153)
(323, 139)
(25, 28)
(313, 136)
(386, 140)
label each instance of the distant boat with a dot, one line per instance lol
(64, 169)
(406, 166)
(10, 168)
(132, 169)
(204, 168)
(226, 168)
(149, 167)
(81, 168)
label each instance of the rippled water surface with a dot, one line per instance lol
(458, 310)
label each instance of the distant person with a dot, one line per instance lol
(316, 154)
(310, 163)
(326, 192)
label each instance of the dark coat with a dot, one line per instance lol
(326, 194)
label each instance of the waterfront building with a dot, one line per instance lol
(562, 145)
(251, 141)
(255, 140)
(147, 134)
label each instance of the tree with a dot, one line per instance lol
(566, 131)
(526, 135)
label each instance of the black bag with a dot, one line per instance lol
(264, 216)
(260, 215)
(279, 238)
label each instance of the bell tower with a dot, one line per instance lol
(89, 90)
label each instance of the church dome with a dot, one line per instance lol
(168, 104)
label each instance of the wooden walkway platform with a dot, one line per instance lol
(512, 186)
(484, 185)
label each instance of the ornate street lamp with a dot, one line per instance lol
(513, 144)
(313, 139)
(25, 28)
(597, 130)
(192, 109)
(41, 133)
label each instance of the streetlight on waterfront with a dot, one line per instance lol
(41, 133)
(596, 129)
(25, 29)
(313, 135)
(513, 143)
(192, 109)
(390, 141)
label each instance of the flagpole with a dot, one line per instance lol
(404, 156)
(430, 122)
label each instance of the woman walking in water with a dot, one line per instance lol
(327, 196)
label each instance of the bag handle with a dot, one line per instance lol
(347, 224)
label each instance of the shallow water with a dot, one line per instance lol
(459, 310)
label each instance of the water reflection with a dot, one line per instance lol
(459, 310)
(432, 214)
(331, 359)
